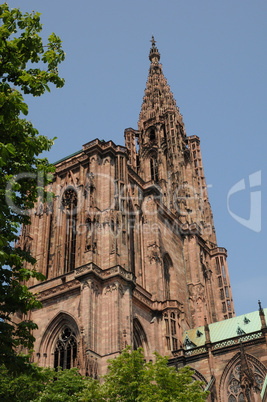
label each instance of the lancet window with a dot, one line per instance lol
(69, 202)
(139, 337)
(171, 331)
(166, 274)
(154, 169)
(65, 354)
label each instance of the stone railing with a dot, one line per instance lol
(218, 345)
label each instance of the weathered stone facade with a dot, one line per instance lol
(129, 249)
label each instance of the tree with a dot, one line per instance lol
(68, 386)
(130, 378)
(47, 385)
(125, 376)
(27, 66)
(30, 383)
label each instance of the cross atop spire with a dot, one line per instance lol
(153, 41)
(154, 55)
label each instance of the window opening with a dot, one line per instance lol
(121, 169)
(218, 270)
(171, 331)
(65, 355)
(152, 135)
(166, 275)
(116, 168)
(154, 170)
(69, 202)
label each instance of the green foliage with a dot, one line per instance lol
(26, 66)
(163, 383)
(26, 386)
(46, 385)
(67, 386)
(125, 376)
(130, 378)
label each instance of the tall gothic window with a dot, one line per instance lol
(171, 331)
(154, 169)
(131, 222)
(167, 263)
(65, 354)
(69, 202)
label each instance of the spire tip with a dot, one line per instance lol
(154, 55)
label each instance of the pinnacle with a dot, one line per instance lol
(158, 97)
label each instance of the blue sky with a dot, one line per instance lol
(214, 58)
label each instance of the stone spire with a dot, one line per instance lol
(158, 96)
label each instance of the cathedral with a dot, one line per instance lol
(129, 251)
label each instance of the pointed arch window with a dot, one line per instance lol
(65, 354)
(167, 264)
(154, 169)
(69, 202)
(139, 337)
(131, 223)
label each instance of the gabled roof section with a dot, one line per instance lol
(223, 330)
(158, 97)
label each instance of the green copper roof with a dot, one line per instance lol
(223, 330)
(67, 157)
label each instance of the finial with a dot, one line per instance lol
(154, 55)
(259, 302)
(153, 41)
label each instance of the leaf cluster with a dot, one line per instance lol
(129, 378)
(27, 66)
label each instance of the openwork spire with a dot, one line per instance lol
(158, 97)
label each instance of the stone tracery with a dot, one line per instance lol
(242, 379)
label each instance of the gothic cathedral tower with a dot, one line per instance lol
(128, 244)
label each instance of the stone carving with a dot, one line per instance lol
(242, 378)
(153, 253)
(118, 270)
(59, 289)
(69, 198)
(110, 288)
(91, 366)
(91, 285)
(40, 209)
(121, 289)
(196, 291)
